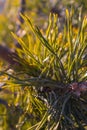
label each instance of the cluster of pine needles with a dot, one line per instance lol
(48, 86)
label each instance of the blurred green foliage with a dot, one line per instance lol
(37, 10)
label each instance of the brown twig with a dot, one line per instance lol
(7, 55)
(2, 101)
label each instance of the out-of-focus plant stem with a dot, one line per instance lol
(20, 19)
(7, 55)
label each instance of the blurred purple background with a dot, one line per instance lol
(2, 2)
